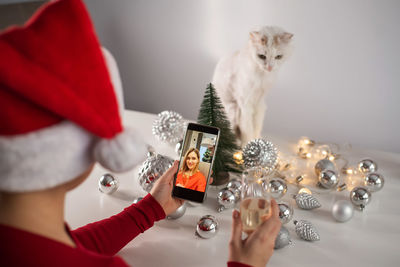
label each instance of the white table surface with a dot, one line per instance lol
(370, 238)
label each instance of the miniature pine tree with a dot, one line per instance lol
(207, 156)
(212, 113)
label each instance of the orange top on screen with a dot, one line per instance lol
(195, 182)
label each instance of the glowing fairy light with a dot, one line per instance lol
(238, 157)
(304, 190)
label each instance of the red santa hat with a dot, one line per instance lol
(60, 102)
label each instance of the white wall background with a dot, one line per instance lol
(341, 83)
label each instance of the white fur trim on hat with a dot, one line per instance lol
(45, 158)
(122, 152)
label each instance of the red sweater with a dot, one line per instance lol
(96, 243)
(195, 182)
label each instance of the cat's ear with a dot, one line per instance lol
(283, 38)
(255, 37)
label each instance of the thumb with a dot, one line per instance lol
(174, 167)
(169, 174)
(275, 209)
(236, 237)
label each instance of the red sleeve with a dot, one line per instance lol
(110, 235)
(237, 264)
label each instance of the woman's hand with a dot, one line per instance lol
(258, 247)
(162, 191)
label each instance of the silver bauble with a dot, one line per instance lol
(108, 184)
(237, 194)
(367, 166)
(260, 152)
(342, 210)
(374, 181)
(305, 230)
(306, 201)
(235, 186)
(283, 238)
(285, 212)
(226, 199)
(360, 197)
(324, 164)
(178, 213)
(152, 169)
(277, 187)
(136, 200)
(328, 179)
(207, 226)
(169, 126)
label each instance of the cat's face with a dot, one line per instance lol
(269, 50)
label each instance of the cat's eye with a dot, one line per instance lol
(262, 56)
(279, 57)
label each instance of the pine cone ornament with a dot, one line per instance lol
(306, 201)
(259, 152)
(305, 230)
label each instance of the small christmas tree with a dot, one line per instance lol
(212, 113)
(207, 156)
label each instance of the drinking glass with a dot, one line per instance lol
(255, 205)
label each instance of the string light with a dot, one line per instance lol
(304, 190)
(349, 171)
(342, 187)
(238, 157)
(304, 146)
(301, 172)
(306, 141)
(309, 149)
(299, 179)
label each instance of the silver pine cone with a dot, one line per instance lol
(306, 201)
(305, 230)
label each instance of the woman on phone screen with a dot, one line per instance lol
(189, 175)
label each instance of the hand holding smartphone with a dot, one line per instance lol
(195, 164)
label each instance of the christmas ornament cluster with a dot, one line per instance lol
(330, 173)
(334, 173)
(326, 171)
(229, 196)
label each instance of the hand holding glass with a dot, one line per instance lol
(255, 206)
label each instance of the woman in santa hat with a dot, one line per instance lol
(60, 107)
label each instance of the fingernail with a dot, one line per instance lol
(235, 214)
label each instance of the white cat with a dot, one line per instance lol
(242, 79)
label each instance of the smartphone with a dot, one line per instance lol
(195, 164)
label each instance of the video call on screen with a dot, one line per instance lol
(196, 158)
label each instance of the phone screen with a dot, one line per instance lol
(198, 151)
